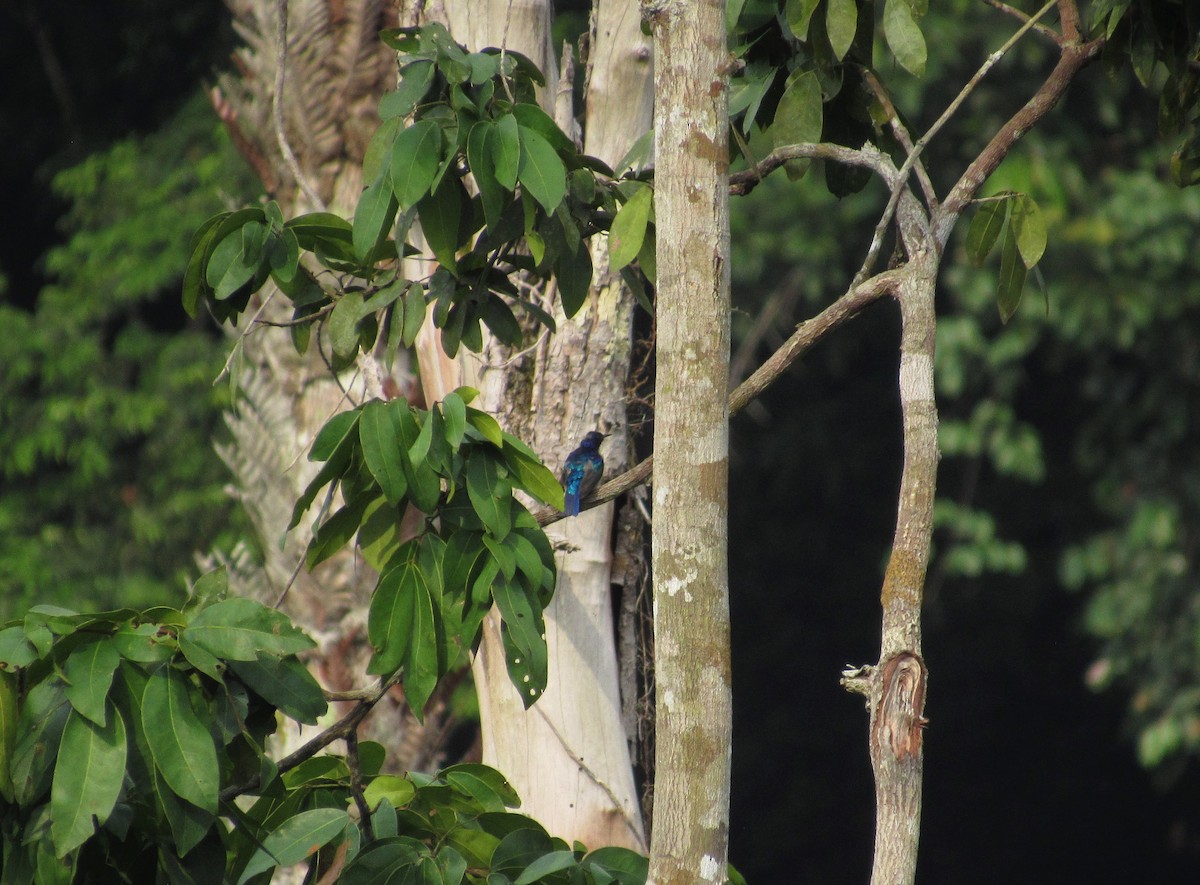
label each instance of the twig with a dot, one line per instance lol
(285, 148)
(902, 135)
(915, 154)
(1074, 57)
(741, 183)
(1044, 30)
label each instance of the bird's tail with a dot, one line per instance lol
(571, 501)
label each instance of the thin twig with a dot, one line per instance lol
(1044, 30)
(915, 154)
(289, 156)
(900, 131)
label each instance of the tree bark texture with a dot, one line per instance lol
(566, 756)
(691, 445)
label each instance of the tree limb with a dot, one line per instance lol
(806, 335)
(1074, 57)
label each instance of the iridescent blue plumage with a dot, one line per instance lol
(582, 471)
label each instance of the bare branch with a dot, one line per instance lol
(1074, 57)
(902, 136)
(741, 183)
(806, 335)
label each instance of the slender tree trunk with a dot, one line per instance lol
(567, 756)
(691, 445)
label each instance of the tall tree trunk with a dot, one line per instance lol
(691, 445)
(567, 756)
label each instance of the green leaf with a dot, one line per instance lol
(415, 79)
(533, 476)
(629, 228)
(1012, 277)
(379, 433)
(419, 449)
(531, 117)
(389, 620)
(314, 228)
(88, 776)
(9, 714)
(343, 324)
(404, 625)
(89, 674)
(179, 741)
(373, 217)
(985, 228)
(441, 214)
(285, 683)
(39, 733)
(212, 586)
(490, 495)
(335, 532)
(505, 148)
(16, 650)
(424, 485)
(454, 413)
(414, 313)
(241, 629)
(230, 267)
(553, 862)
(522, 616)
(798, 118)
(296, 839)
(396, 789)
(416, 155)
(1030, 227)
(343, 439)
(841, 21)
(483, 168)
(904, 36)
(573, 271)
(541, 170)
(498, 317)
(487, 426)
(798, 14)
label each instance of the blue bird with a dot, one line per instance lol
(582, 471)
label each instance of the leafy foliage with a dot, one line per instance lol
(107, 408)
(537, 200)
(479, 544)
(125, 735)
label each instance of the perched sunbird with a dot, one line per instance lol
(582, 471)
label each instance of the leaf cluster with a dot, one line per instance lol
(121, 731)
(479, 545)
(800, 77)
(1161, 42)
(496, 187)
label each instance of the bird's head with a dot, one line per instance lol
(593, 440)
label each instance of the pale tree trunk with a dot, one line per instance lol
(691, 445)
(335, 70)
(567, 756)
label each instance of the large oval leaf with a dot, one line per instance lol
(541, 170)
(179, 741)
